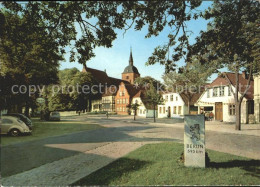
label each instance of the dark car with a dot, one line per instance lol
(23, 118)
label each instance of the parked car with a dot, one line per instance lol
(54, 116)
(23, 118)
(13, 126)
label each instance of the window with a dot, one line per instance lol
(221, 91)
(179, 110)
(232, 110)
(174, 110)
(215, 92)
(140, 111)
(123, 109)
(166, 97)
(127, 77)
(120, 93)
(117, 101)
(229, 90)
(208, 95)
(123, 101)
(144, 111)
(136, 101)
(120, 108)
(171, 97)
(164, 110)
(120, 101)
(160, 110)
(123, 93)
(117, 109)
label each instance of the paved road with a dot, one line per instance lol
(26, 156)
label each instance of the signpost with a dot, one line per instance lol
(194, 141)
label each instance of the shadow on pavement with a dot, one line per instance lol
(111, 172)
(24, 156)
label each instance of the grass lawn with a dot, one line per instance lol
(43, 129)
(157, 164)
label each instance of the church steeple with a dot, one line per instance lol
(131, 61)
(131, 72)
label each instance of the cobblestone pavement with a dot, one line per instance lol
(65, 159)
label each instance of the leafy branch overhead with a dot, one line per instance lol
(99, 20)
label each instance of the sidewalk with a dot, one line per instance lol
(246, 129)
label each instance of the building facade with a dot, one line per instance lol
(145, 109)
(257, 97)
(219, 99)
(174, 106)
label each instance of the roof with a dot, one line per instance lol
(131, 69)
(142, 95)
(132, 91)
(222, 81)
(99, 76)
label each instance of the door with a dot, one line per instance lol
(219, 111)
(169, 112)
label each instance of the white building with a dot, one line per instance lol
(219, 99)
(175, 105)
(145, 109)
(257, 97)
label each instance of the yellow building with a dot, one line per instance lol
(257, 96)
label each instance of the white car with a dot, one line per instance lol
(13, 126)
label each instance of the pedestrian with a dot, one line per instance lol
(211, 116)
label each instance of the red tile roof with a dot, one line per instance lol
(222, 81)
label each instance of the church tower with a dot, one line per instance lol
(131, 72)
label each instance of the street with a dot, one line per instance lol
(41, 162)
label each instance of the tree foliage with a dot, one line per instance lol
(232, 40)
(70, 93)
(190, 79)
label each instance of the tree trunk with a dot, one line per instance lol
(238, 116)
(27, 107)
(134, 114)
(154, 113)
(189, 106)
(238, 104)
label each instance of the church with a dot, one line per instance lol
(119, 92)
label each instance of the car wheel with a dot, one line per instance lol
(14, 132)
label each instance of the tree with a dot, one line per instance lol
(146, 81)
(190, 80)
(153, 97)
(232, 40)
(70, 93)
(99, 20)
(134, 107)
(28, 57)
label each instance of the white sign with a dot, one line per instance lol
(194, 141)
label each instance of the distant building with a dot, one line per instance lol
(176, 105)
(257, 96)
(131, 72)
(104, 101)
(116, 94)
(124, 97)
(219, 99)
(145, 108)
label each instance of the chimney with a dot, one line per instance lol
(244, 74)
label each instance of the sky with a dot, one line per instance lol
(116, 58)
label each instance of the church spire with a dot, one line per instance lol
(131, 62)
